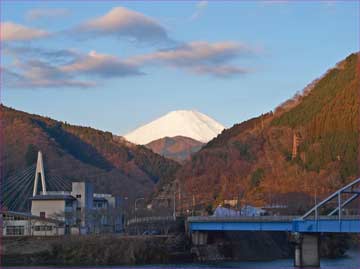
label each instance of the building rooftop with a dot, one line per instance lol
(53, 197)
(100, 199)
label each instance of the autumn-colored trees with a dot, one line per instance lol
(254, 157)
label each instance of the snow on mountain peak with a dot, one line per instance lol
(189, 123)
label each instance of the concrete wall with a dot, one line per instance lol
(50, 207)
(199, 238)
(34, 227)
(44, 228)
(307, 251)
(83, 192)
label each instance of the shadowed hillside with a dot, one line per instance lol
(178, 148)
(81, 153)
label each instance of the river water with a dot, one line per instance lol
(352, 260)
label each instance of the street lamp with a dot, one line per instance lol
(138, 199)
(124, 210)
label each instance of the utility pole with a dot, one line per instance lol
(180, 202)
(174, 209)
(124, 211)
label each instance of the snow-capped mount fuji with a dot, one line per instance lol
(187, 123)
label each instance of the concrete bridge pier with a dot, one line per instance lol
(307, 250)
(199, 238)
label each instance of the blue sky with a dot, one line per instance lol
(117, 65)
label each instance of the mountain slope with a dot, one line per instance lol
(178, 148)
(81, 153)
(186, 123)
(253, 161)
(329, 119)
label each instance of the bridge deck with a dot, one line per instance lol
(348, 224)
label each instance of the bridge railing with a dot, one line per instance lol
(262, 218)
(240, 218)
(348, 189)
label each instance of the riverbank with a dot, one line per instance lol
(118, 250)
(94, 250)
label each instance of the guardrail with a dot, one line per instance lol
(149, 219)
(262, 218)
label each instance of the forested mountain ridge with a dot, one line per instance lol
(254, 161)
(329, 118)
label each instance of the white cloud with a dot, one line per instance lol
(200, 58)
(41, 13)
(101, 65)
(15, 32)
(124, 23)
(197, 52)
(37, 74)
(43, 68)
(223, 71)
(55, 56)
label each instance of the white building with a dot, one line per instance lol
(79, 211)
(247, 210)
(25, 224)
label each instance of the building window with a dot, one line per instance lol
(42, 215)
(78, 195)
(15, 230)
(68, 203)
(43, 228)
(13, 217)
(8, 217)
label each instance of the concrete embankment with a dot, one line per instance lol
(243, 246)
(263, 246)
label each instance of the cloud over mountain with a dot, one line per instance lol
(44, 68)
(200, 57)
(38, 74)
(68, 67)
(101, 65)
(124, 23)
(16, 32)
